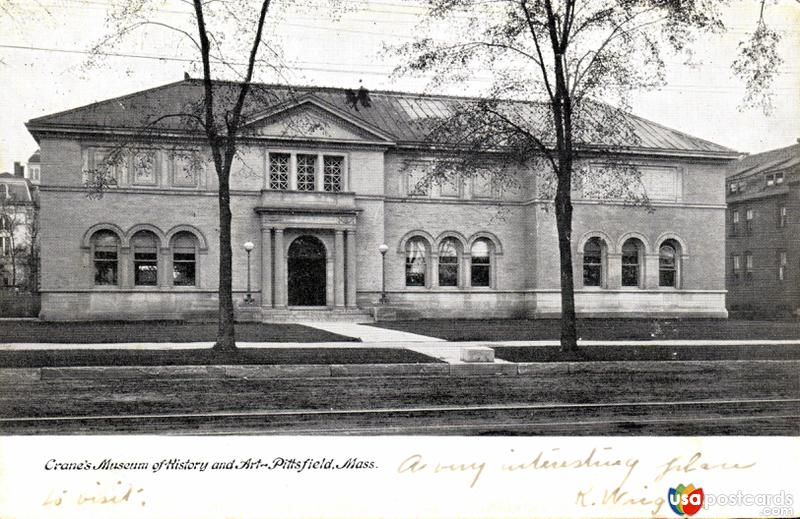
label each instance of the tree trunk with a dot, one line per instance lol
(226, 338)
(13, 258)
(569, 335)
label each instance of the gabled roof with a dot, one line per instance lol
(35, 158)
(772, 160)
(405, 118)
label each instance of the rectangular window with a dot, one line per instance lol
(737, 267)
(782, 216)
(778, 178)
(749, 220)
(479, 275)
(732, 188)
(770, 180)
(734, 223)
(105, 266)
(183, 268)
(145, 268)
(333, 173)
(143, 166)
(781, 265)
(630, 270)
(748, 265)
(279, 171)
(306, 172)
(5, 246)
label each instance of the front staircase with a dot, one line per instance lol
(288, 315)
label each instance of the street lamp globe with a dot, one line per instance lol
(248, 246)
(383, 248)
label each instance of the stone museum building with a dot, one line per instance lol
(764, 233)
(321, 184)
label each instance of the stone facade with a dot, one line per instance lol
(318, 206)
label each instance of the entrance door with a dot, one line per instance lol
(306, 272)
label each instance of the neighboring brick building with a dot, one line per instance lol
(763, 248)
(319, 199)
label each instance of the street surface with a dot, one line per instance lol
(656, 398)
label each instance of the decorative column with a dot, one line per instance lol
(351, 268)
(124, 267)
(338, 268)
(293, 172)
(266, 266)
(319, 174)
(465, 271)
(164, 268)
(280, 271)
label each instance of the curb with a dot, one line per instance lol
(279, 371)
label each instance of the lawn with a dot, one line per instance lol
(652, 353)
(599, 329)
(205, 357)
(106, 332)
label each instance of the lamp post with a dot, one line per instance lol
(248, 246)
(382, 249)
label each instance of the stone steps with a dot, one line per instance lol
(353, 315)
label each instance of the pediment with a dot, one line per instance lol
(312, 120)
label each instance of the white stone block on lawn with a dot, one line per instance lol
(477, 354)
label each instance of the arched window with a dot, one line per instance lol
(448, 263)
(668, 264)
(416, 262)
(145, 258)
(184, 259)
(631, 263)
(105, 252)
(593, 263)
(480, 264)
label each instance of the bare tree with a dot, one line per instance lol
(228, 37)
(569, 55)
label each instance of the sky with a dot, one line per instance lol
(43, 68)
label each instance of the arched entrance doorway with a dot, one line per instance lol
(306, 272)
